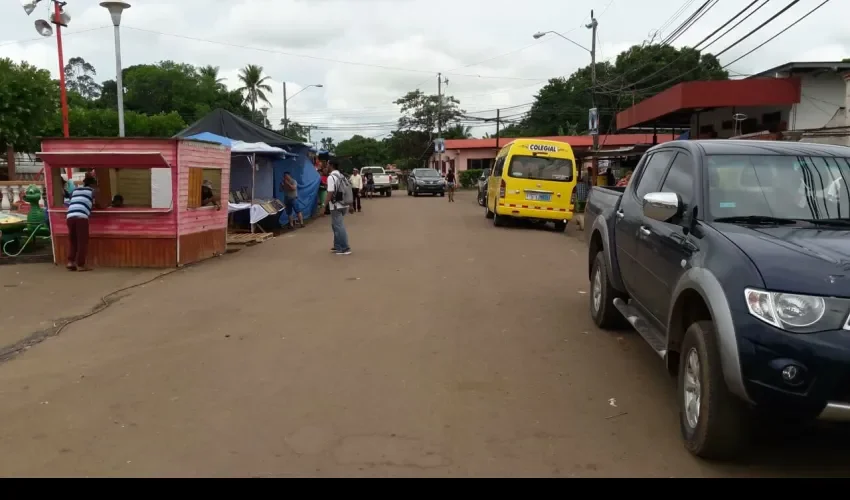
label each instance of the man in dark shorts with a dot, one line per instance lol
(290, 199)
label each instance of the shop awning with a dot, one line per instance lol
(675, 105)
(103, 159)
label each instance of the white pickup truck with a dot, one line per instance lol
(383, 181)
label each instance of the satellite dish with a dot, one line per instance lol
(29, 5)
(64, 18)
(43, 28)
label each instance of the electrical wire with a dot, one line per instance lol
(326, 59)
(64, 34)
(776, 35)
(686, 25)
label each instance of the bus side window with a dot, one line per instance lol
(497, 169)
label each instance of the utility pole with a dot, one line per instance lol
(592, 26)
(285, 116)
(440, 119)
(498, 113)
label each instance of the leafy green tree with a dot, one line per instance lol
(103, 122)
(328, 144)
(28, 103)
(294, 130)
(209, 75)
(80, 78)
(419, 111)
(254, 86)
(458, 131)
(362, 151)
(638, 73)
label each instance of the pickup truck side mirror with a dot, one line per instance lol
(662, 206)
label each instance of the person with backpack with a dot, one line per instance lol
(340, 197)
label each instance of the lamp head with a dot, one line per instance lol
(115, 9)
(539, 35)
(29, 5)
(43, 28)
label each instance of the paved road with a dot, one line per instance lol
(442, 347)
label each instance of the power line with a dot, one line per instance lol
(327, 59)
(673, 17)
(686, 25)
(64, 34)
(793, 2)
(781, 32)
(697, 46)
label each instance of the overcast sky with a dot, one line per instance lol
(366, 53)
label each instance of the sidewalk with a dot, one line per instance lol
(36, 297)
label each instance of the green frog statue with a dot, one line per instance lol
(36, 218)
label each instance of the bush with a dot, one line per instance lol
(469, 178)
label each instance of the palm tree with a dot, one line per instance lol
(254, 87)
(458, 131)
(210, 74)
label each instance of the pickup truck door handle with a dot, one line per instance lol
(645, 231)
(620, 214)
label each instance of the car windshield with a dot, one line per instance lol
(372, 170)
(427, 172)
(786, 187)
(541, 168)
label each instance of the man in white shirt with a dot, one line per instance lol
(337, 211)
(356, 188)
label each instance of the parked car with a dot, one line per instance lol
(383, 182)
(425, 181)
(729, 258)
(393, 179)
(482, 187)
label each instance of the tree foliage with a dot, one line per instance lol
(327, 144)
(80, 78)
(28, 102)
(254, 86)
(638, 73)
(294, 130)
(362, 151)
(420, 111)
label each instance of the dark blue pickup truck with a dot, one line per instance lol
(732, 260)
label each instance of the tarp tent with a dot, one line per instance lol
(226, 124)
(293, 158)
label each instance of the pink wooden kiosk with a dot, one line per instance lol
(161, 222)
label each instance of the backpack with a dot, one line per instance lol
(342, 190)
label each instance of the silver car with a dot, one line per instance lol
(482, 187)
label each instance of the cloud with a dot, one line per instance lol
(483, 47)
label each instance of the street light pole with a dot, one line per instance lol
(63, 94)
(115, 10)
(285, 115)
(286, 100)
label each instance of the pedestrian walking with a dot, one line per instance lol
(450, 182)
(339, 196)
(370, 185)
(79, 211)
(356, 189)
(290, 199)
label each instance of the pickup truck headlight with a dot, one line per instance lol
(797, 313)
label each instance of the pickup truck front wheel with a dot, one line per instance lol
(602, 296)
(714, 423)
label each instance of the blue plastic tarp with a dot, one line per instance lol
(210, 137)
(304, 173)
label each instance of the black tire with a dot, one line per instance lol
(416, 194)
(487, 212)
(604, 314)
(722, 420)
(443, 194)
(499, 220)
(389, 193)
(560, 227)
(481, 201)
(409, 193)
